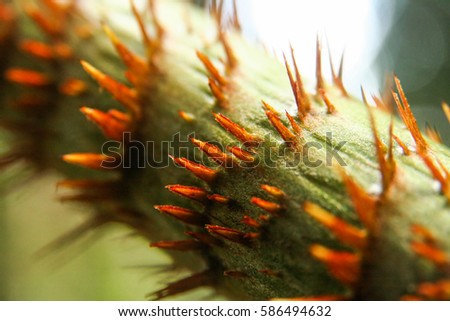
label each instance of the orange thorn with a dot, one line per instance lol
(232, 61)
(431, 253)
(409, 297)
(344, 266)
(446, 110)
(51, 27)
(387, 166)
(424, 233)
(288, 136)
(183, 214)
(204, 238)
(439, 290)
(274, 191)
(247, 220)
(156, 22)
(344, 232)
(235, 274)
(217, 91)
(123, 117)
(186, 284)
(235, 18)
(295, 126)
(403, 146)
(214, 152)
(380, 104)
(110, 126)
(408, 118)
(191, 192)
(319, 77)
(37, 49)
(241, 154)
(231, 234)
(365, 205)
(433, 134)
(184, 245)
(219, 198)
(270, 272)
(188, 117)
(83, 31)
(269, 107)
(27, 77)
(301, 98)
(73, 87)
(337, 78)
(314, 298)
(122, 93)
(239, 132)
(364, 98)
(84, 184)
(204, 173)
(330, 106)
(136, 64)
(92, 161)
(268, 206)
(211, 69)
(145, 36)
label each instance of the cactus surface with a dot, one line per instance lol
(263, 184)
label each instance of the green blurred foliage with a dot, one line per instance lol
(417, 49)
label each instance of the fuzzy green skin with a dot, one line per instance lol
(390, 269)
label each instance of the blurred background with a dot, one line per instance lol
(409, 37)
